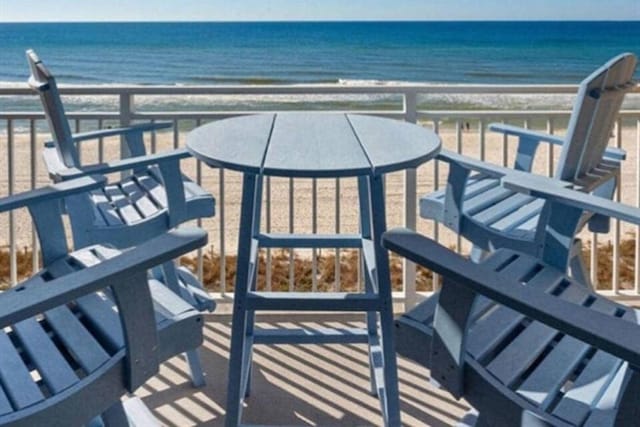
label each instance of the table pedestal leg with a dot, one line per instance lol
(371, 316)
(242, 319)
(388, 388)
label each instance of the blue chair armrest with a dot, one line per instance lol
(528, 143)
(472, 164)
(528, 136)
(51, 192)
(526, 133)
(104, 133)
(127, 164)
(542, 187)
(35, 295)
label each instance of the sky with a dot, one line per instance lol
(314, 10)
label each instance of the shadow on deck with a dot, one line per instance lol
(294, 385)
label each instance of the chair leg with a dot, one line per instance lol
(115, 416)
(195, 368)
(169, 276)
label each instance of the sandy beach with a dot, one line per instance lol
(300, 201)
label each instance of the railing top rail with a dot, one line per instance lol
(186, 115)
(389, 88)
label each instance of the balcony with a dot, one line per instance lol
(324, 385)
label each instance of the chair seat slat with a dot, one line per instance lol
(87, 352)
(103, 318)
(484, 200)
(487, 333)
(431, 205)
(524, 218)
(503, 208)
(589, 386)
(15, 376)
(54, 369)
(153, 188)
(5, 405)
(545, 381)
(523, 351)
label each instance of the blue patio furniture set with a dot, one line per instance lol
(517, 330)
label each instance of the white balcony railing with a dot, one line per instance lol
(314, 205)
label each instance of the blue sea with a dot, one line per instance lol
(322, 52)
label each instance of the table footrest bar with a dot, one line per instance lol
(309, 241)
(306, 301)
(310, 336)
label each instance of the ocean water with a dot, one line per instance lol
(344, 53)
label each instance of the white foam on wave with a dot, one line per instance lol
(501, 101)
(13, 84)
(205, 102)
(365, 82)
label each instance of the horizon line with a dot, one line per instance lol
(345, 21)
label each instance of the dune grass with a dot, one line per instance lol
(325, 272)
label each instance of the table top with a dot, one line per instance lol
(313, 144)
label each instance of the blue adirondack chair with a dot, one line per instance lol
(474, 205)
(153, 198)
(523, 343)
(90, 326)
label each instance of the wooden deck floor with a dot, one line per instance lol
(294, 385)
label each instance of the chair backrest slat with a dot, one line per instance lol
(597, 104)
(43, 82)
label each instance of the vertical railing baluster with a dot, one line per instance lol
(154, 138)
(100, 143)
(268, 229)
(221, 218)
(336, 285)
(636, 275)
(314, 230)
(459, 149)
(482, 139)
(79, 145)
(410, 209)
(505, 148)
(13, 260)
(615, 267)
(593, 260)
(126, 102)
(200, 259)
(550, 131)
(176, 134)
(292, 278)
(34, 182)
(436, 282)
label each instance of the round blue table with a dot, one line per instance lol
(314, 145)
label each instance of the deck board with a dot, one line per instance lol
(295, 385)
